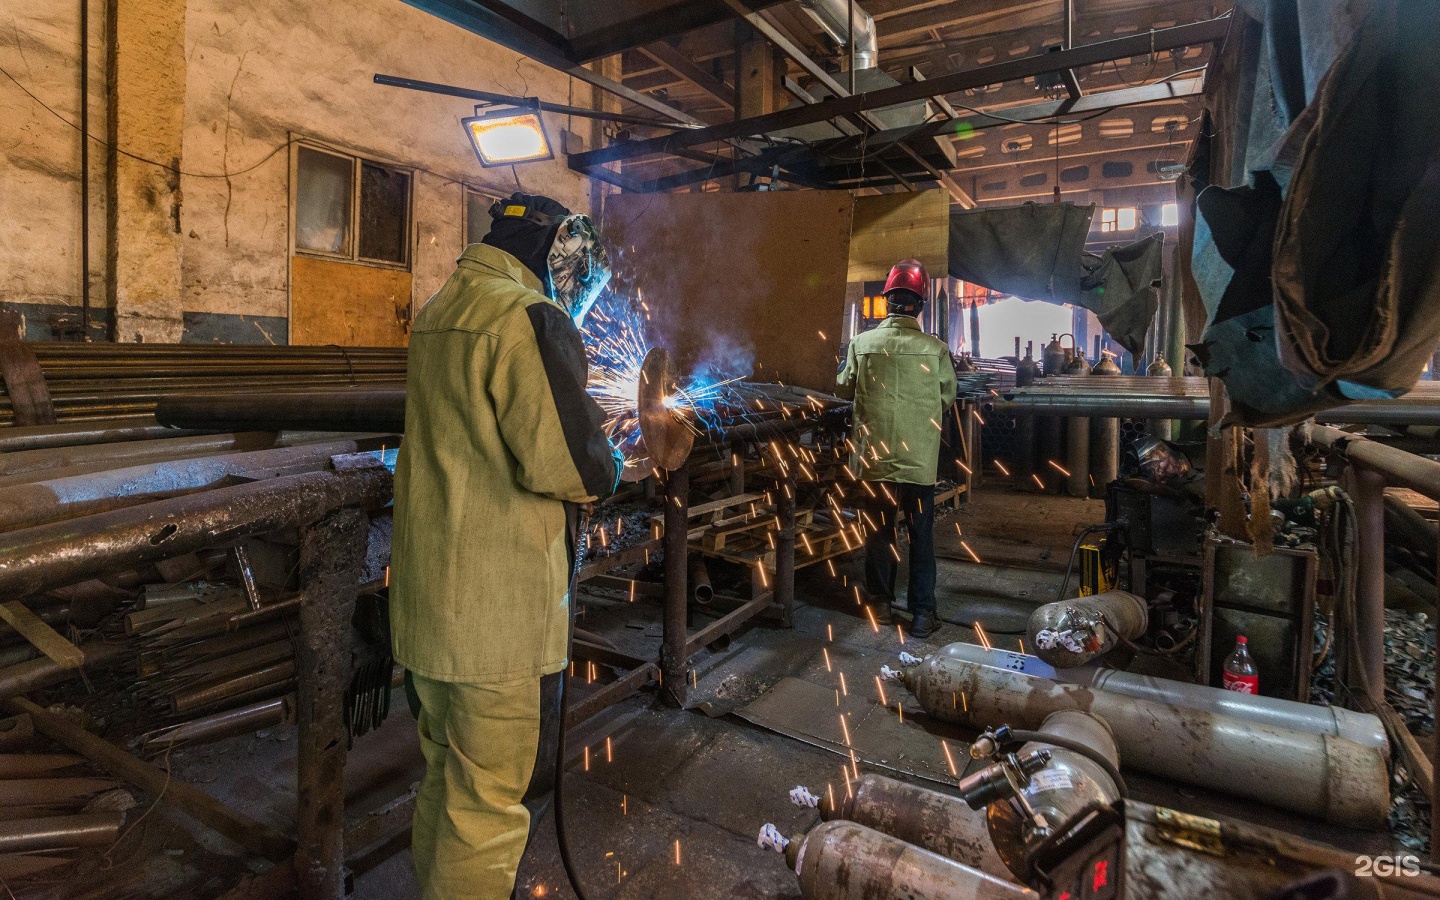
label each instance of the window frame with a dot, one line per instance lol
(357, 161)
(465, 191)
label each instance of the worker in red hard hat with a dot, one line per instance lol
(902, 380)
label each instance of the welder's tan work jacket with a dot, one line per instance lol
(902, 380)
(498, 432)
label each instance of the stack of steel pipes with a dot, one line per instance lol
(98, 381)
(58, 809)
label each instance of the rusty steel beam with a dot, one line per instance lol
(332, 557)
(674, 658)
(58, 554)
(842, 107)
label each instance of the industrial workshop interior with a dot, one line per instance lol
(807, 449)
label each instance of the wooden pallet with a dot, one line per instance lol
(751, 549)
(723, 531)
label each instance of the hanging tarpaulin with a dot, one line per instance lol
(1357, 251)
(1122, 288)
(1030, 251)
(1037, 252)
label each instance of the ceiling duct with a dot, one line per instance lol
(832, 16)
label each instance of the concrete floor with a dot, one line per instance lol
(673, 778)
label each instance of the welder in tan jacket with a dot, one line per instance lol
(500, 438)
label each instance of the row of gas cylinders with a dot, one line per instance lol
(1057, 359)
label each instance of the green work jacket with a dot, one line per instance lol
(902, 380)
(498, 432)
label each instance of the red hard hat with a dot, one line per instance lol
(908, 274)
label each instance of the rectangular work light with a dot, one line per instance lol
(506, 137)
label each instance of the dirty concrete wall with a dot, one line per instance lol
(269, 71)
(258, 76)
(40, 163)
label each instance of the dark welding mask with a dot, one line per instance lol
(562, 249)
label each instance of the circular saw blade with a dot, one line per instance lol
(668, 439)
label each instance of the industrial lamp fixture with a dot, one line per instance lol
(504, 137)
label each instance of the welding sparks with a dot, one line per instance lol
(1059, 468)
(1038, 481)
(871, 613)
(949, 760)
(826, 653)
(1001, 466)
(677, 851)
(880, 686)
(984, 638)
(969, 551)
(845, 728)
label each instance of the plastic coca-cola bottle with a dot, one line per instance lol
(1240, 675)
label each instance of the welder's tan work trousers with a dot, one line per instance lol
(470, 825)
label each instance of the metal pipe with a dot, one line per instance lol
(674, 662)
(74, 434)
(700, 590)
(43, 672)
(1137, 402)
(332, 557)
(372, 410)
(54, 499)
(785, 548)
(1071, 632)
(850, 27)
(1361, 728)
(1077, 456)
(846, 861)
(1369, 636)
(49, 556)
(227, 723)
(931, 820)
(27, 462)
(1401, 469)
(1105, 453)
(94, 829)
(1318, 775)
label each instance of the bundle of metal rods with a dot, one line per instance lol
(56, 808)
(94, 381)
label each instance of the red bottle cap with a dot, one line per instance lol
(1240, 639)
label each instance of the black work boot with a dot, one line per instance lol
(923, 625)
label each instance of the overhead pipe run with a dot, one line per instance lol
(834, 18)
(1318, 775)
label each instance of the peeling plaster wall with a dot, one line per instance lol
(266, 71)
(40, 162)
(258, 75)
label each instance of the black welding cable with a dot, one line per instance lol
(582, 527)
(1090, 753)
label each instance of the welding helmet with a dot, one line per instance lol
(561, 248)
(907, 286)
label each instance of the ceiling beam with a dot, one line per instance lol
(689, 71)
(1180, 36)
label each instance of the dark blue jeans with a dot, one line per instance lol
(916, 502)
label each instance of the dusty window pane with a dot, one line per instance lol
(384, 213)
(322, 202)
(477, 217)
